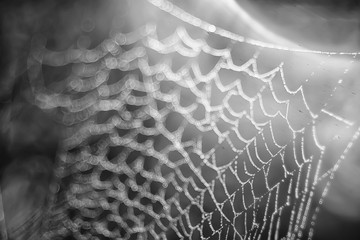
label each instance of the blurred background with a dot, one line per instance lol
(33, 133)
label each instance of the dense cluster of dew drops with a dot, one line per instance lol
(179, 129)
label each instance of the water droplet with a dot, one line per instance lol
(111, 62)
(211, 28)
(87, 25)
(120, 39)
(110, 46)
(92, 56)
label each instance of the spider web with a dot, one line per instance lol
(182, 130)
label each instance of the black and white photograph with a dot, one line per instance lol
(179, 119)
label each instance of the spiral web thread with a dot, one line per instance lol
(187, 140)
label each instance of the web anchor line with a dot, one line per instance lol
(179, 13)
